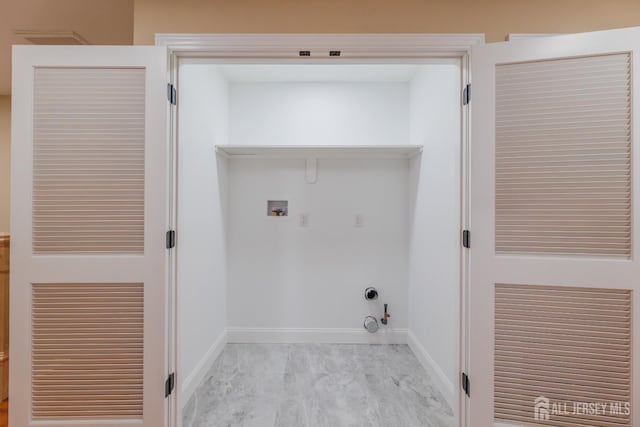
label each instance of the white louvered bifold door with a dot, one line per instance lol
(554, 286)
(89, 215)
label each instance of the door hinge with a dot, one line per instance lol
(466, 238)
(171, 239)
(172, 94)
(466, 94)
(466, 384)
(169, 385)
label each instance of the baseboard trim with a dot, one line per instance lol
(191, 383)
(315, 335)
(442, 382)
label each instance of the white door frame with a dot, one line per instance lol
(354, 48)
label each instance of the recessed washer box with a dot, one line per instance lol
(277, 208)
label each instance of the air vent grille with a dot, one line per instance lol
(51, 37)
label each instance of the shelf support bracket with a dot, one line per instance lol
(311, 175)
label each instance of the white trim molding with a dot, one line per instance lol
(526, 36)
(199, 373)
(316, 335)
(286, 48)
(281, 46)
(439, 378)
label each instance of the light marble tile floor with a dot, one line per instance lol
(317, 385)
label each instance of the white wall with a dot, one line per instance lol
(329, 113)
(434, 275)
(284, 276)
(201, 239)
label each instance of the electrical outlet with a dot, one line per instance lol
(359, 220)
(304, 220)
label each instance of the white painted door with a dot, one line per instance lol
(89, 212)
(554, 212)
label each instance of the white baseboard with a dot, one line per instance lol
(442, 382)
(315, 335)
(192, 382)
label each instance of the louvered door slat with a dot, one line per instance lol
(566, 344)
(563, 157)
(90, 364)
(88, 161)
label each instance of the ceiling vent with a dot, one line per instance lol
(51, 37)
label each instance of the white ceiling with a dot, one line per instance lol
(96, 21)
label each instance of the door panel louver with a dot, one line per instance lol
(87, 351)
(88, 160)
(563, 156)
(565, 344)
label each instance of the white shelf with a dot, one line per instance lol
(317, 151)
